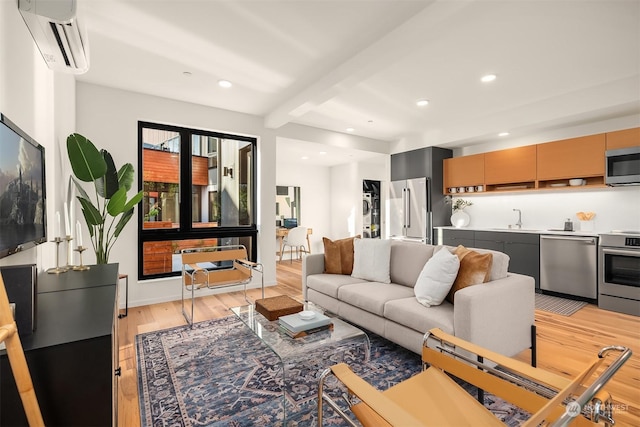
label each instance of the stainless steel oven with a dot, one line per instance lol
(619, 272)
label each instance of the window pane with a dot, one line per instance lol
(216, 170)
(235, 163)
(161, 178)
(221, 189)
(204, 186)
(164, 256)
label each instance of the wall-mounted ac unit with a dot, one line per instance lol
(61, 39)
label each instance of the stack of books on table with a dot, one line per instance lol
(296, 326)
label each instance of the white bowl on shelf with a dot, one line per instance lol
(576, 181)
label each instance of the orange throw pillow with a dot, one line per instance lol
(475, 268)
(338, 255)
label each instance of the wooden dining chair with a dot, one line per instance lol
(15, 353)
(433, 398)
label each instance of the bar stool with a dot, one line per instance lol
(126, 295)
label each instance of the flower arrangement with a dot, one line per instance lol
(459, 204)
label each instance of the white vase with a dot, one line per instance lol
(460, 219)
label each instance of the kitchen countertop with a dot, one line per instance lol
(525, 230)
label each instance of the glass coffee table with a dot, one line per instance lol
(296, 352)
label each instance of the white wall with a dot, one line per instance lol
(332, 196)
(315, 197)
(616, 208)
(42, 104)
(346, 194)
(109, 117)
(583, 129)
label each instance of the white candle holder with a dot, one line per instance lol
(81, 267)
(57, 269)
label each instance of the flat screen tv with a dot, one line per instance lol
(23, 219)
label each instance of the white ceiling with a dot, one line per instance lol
(362, 64)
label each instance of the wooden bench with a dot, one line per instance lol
(216, 267)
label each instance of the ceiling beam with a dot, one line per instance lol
(391, 47)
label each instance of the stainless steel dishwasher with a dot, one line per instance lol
(568, 265)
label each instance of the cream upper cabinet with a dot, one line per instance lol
(623, 138)
(571, 158)
(514, 165)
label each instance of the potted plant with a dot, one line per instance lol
(110, 187)
(459, 218)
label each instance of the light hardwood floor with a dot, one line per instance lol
(565, 344)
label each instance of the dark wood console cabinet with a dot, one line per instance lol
(72, 354)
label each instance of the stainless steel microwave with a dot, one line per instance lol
(623, 166)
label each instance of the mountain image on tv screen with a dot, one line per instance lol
(22, 212)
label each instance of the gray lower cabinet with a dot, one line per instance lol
(523, 248)
(456, 237)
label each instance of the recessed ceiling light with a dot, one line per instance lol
(224, 83)
(304, 158)
(488, 78)
(350, 129)
(503, 134)
(422, 102)
(322, 153)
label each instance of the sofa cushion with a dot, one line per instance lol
(436, 278)
(371, 259)
(499, 264)
(338, 255)
(329, 284)
(411, 313)
(407, 261)
(475, 268)
(372, 296)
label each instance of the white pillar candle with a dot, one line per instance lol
(57, 230)
(72, 214)
(79, 233)
(67, 225)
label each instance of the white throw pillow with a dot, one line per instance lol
(371, 260)
(436, 278)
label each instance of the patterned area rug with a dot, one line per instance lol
(563, 306)
(220, 374)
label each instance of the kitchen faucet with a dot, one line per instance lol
(519, 223)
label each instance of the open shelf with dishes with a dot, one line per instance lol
(573, 183)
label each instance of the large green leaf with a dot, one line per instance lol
(80, 189)
(116, 204)
(91, 213)
(86, 161)
(125, 176)
(124, 219)
(108, 185)
(134, 201)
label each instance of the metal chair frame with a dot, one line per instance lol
(551, 399)
(201, 268)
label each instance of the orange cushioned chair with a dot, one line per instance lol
(433, 398)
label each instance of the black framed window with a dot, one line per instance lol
(199, 190)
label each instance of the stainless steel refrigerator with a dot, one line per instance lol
(410, 216)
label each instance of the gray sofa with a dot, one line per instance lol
(497, 315)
